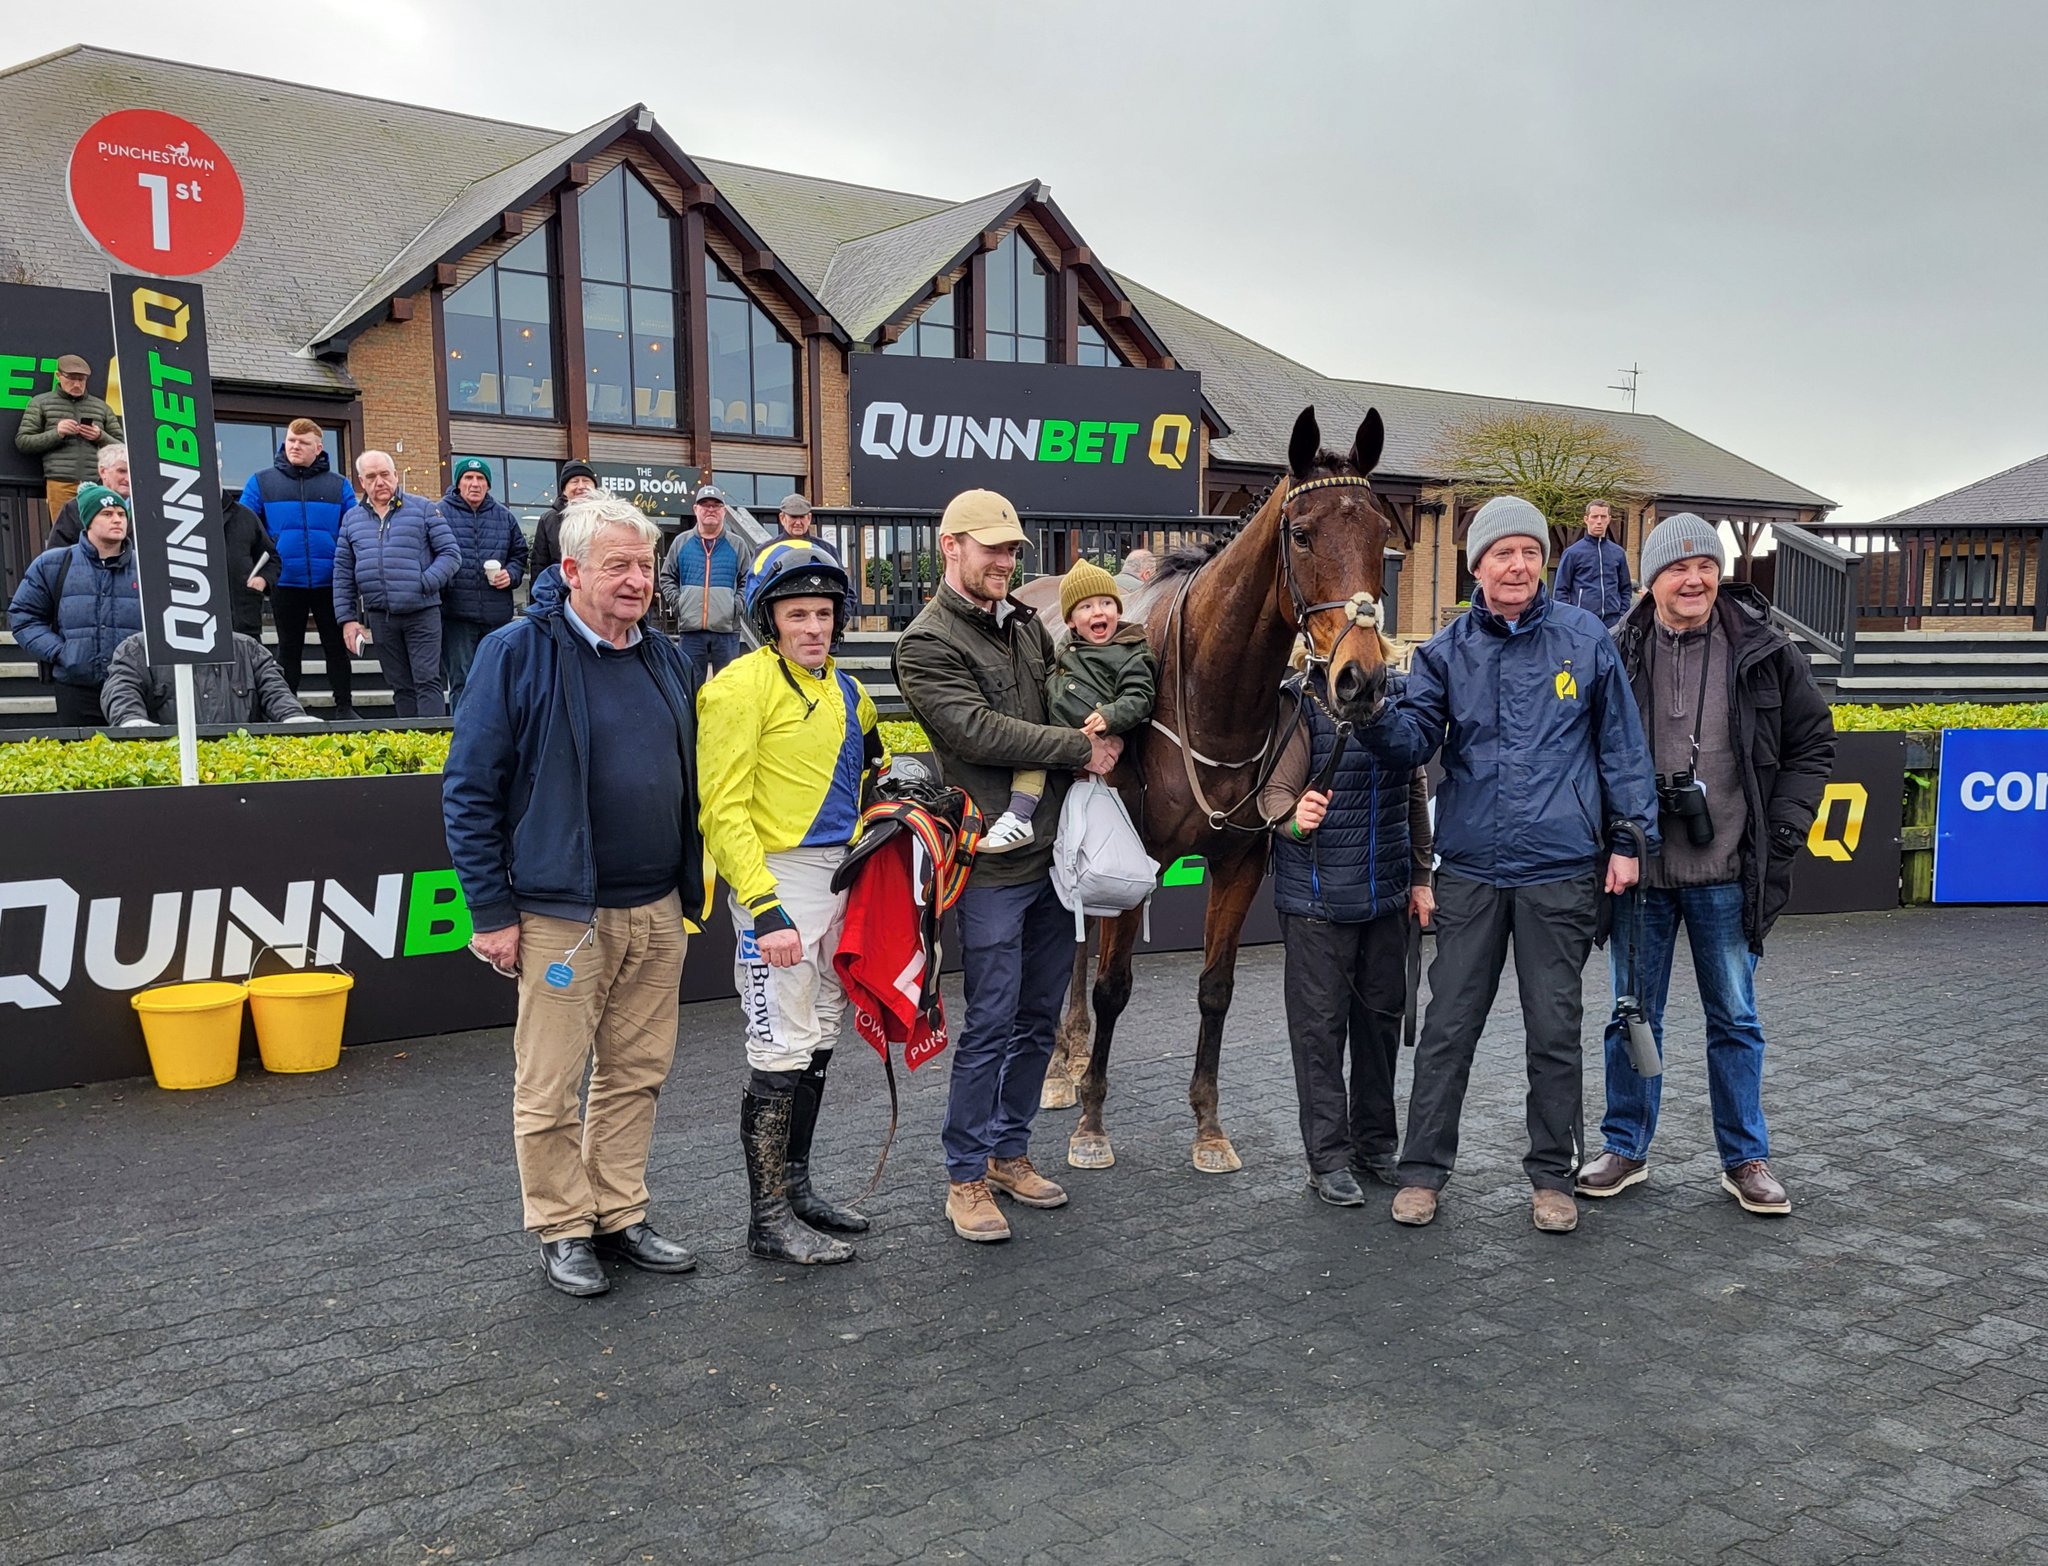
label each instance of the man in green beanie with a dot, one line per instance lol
(76, 606)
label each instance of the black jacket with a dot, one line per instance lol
(247, 542)
(1785, 741)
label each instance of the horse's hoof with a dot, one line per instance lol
(1089, 1150)
(1217, 1157)
(1058, 1093)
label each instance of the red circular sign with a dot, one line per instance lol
(156, 193)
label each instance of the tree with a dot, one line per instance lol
(1556, 460)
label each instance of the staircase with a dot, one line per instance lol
(1902, 668)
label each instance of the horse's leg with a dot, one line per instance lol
(1070, 1046)
(1088, 1147)
(1231, 889)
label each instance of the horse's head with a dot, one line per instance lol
(1333, 540)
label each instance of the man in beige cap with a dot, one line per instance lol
(973, 668)
(66, 426)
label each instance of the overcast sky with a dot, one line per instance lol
(1817, 226)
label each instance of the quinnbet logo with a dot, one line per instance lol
(890, 430)
(216, 932)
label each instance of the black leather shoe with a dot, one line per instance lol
(650, 1252)
(1339, 1187)
(572, 1267)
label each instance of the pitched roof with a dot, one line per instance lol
(805, 220)
(470, 217)
(2018, 495)
(319, 223)
(871, 278)
(1260, 391)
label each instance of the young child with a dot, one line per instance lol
(1103, 682)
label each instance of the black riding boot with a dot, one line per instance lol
(773, 1230)
(808, 1205)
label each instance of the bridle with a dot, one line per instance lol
(1360, 611)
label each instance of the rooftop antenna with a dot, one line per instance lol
(1628, 387)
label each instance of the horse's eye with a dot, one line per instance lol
(1302, 538)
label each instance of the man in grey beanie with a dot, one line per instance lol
(1743, 746)
(1542, 751)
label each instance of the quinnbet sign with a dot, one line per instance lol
(180, 548)
(1049, 437)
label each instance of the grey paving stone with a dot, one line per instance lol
(292, 1320)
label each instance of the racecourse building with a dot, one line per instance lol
(439, 285)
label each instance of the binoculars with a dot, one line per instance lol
(1681, 795)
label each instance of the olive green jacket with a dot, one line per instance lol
(978, 688)
(67, 459)
(1118, 679)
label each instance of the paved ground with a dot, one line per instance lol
(292, 1320)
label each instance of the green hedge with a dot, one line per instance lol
(42, 766)
(1941, 715)
(45, 766)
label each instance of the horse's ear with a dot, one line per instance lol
(1367, 444)
(1304, 443)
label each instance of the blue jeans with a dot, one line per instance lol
(1726, 970)
(710, 651)
(459, 639)
(1017, 953)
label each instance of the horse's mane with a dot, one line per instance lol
(1187, 559)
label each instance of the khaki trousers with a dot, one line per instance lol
(584, 1173)
(57, 495)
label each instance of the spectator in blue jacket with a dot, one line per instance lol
(300, 504)
(493, 547)
(700, 587)
(394, 556)
(1542, 751)
(1592, 573)
(570, 802)
(75, 606)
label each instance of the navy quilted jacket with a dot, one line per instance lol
(485, 532)
(76, 634)
(1357, 865)
(398, 565)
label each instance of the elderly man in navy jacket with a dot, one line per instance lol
(570, 803)
(493, 548)
(394, 556)
(1542, 750)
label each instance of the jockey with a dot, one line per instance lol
(785, 740)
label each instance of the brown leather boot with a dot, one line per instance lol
(973, 1212)
(1015, 1178)
(1414, 1204)
(1756, 1188)
(1553, 1211)
(1610, 1174)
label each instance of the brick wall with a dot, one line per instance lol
(830, 430)
(394, 364)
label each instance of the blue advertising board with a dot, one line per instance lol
(1991, 825)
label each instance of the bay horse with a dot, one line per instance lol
(1223, 624)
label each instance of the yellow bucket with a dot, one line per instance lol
(194, 1032)
(299, 1017)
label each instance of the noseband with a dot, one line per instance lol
(1360, 610)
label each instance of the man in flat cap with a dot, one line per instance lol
(66, 426)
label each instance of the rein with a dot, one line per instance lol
(1360, 610)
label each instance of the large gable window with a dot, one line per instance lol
(1018, 313)
(499, 330)
(1092, 347)
(753, 366)
(630, 307)
(933, 335)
